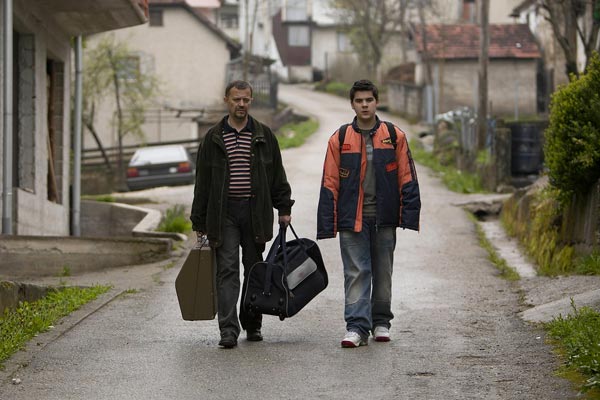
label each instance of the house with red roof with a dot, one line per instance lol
(448, 61)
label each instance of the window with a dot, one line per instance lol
(55, 86)
(131, 68)
(229, 21)
(24, 79)
(343, 42)
(155, 17)
(295, 10)
(469, 11)
(298, 36)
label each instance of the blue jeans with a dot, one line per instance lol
(368, 258)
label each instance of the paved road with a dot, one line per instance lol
(456, 334)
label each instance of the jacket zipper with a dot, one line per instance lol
(222, 146)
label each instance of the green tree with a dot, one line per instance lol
(112, 70)
(572, 148)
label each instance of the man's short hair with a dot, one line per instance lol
(238, 84)
(364, 85)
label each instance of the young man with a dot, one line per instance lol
(369, 188)
(239, 180)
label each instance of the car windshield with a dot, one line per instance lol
(158, 155)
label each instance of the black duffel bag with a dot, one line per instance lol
(292, 275)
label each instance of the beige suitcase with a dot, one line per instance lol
(196, 284)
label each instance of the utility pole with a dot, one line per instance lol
(483, 74)
(7, 120)
(246, 41)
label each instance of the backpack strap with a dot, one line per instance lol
(393, 135)
(342, 135)
(391, 130)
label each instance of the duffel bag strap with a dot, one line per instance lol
(298, 240)
(278, 243)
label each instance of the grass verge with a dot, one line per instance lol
(107, 198)
(454, 179)
(576, 338)
(295, 134)
(175, 220)
(18, 326)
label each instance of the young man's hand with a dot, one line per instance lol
(285, 220)
(200, 236)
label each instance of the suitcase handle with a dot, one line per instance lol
(201, 243)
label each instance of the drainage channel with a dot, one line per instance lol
(507, 247)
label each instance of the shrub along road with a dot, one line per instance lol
(456, 334)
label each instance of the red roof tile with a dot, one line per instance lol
(462, 41)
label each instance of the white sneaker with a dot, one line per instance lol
(353, 339)
(381, 334)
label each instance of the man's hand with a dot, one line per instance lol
(285, 220)
(200, 236)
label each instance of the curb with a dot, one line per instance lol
(22, 358)
(547, 312)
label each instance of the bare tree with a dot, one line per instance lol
(371, 24)
(403, 12)
(574, 20)
(113, 70)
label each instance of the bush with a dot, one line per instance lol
(338, 88)
(572, 149)
(175, 220)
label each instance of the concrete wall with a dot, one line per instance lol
(27, 256)
(11, 293)
(33, 212)
(100, 219)
(324, 49)
(405, 98)
(510, 82)
(189, 60)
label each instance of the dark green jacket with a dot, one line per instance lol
(269, 186)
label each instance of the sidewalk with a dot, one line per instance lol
(134, 278)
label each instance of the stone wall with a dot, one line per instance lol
(581, 223)
(11, 293)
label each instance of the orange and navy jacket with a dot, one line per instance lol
(397, 187)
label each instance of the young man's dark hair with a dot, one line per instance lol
(364, 85)
(240, 85)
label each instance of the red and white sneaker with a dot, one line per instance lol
(353, 339)
(381, 334)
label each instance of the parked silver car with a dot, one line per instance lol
(160, 166)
